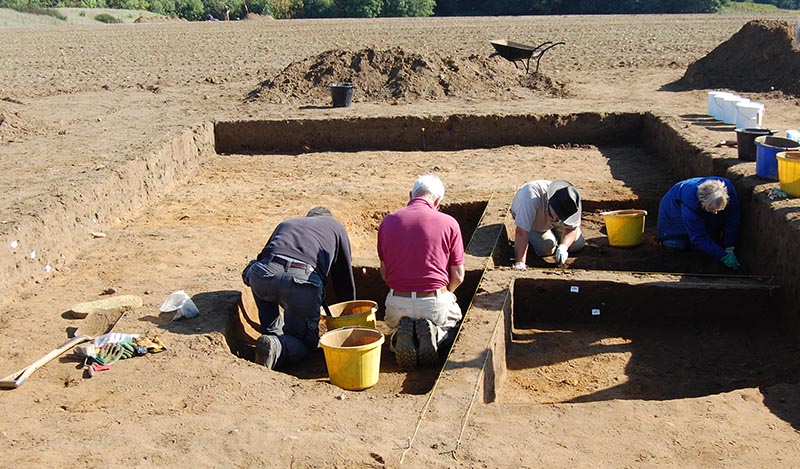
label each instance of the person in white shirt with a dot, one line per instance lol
(547, 215)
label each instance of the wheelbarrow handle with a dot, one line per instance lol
(542, 45)
(16, 379)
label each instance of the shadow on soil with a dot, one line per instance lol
(214, 306)
(670, 361)
(662, 345)
(709, 123)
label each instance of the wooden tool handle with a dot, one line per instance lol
(16, 379)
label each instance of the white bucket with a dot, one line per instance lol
(712, 103)
(749, 115)
(729, 103)
(719, 113)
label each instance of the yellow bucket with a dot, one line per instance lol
(789, 172)
(353, 356)
(625, 228)
(351, 313)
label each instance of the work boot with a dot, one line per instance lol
(427, 354)
(267, 350)
(404, 350)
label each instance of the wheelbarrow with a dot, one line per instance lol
(516, 52)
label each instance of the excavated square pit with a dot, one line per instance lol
(617, 160)
(627, 161)
(644, 337)
(370, 286)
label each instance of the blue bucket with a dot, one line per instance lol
(767, 149)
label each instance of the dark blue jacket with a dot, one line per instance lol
(320, 241)
(680, 214)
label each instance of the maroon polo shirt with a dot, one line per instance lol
(418, 245)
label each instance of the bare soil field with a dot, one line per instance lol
(112, 184)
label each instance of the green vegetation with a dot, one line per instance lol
(198, 10)
(106, 18)
(36, 10)
(750, 7)
(584, 7)
(350, 8)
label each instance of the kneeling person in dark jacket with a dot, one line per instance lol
(291, 272)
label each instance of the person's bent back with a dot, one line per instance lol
(290, 273)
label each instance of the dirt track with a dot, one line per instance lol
(108, 130)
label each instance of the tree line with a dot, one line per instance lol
(195, 10)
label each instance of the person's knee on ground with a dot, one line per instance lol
(675, 244)
(544, 244)
(294, 349)
(420, 326)
(580, 243)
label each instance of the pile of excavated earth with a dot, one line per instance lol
(396, 75)
(760, 58)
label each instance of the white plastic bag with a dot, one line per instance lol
(182, 304)
(113, 338)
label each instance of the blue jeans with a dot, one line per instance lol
(299, 291)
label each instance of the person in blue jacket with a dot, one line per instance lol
(291, 274)
(702, 212)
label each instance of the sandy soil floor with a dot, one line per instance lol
(86, 110)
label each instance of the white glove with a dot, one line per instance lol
(562, 254)
(519, 266)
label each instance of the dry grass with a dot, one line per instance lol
(74, 16)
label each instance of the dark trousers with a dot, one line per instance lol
(299, 291)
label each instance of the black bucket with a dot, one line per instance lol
(746, 142)
(342, 94)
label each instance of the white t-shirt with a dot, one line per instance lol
(529, 208)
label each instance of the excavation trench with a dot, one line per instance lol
(644, 324)
(242, 329)
(644, 337)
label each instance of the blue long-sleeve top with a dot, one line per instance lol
(681, 214)
(319, 241)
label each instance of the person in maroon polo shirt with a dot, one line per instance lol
(422, 262)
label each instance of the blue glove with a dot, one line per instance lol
(731, 261)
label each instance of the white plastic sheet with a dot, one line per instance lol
(181, 304)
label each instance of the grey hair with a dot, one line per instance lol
(319, 212)
(713, 195)
(430, 185)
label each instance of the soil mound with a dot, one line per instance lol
(256, 16)
(394, 75)
(761, 57)
(157, 19)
